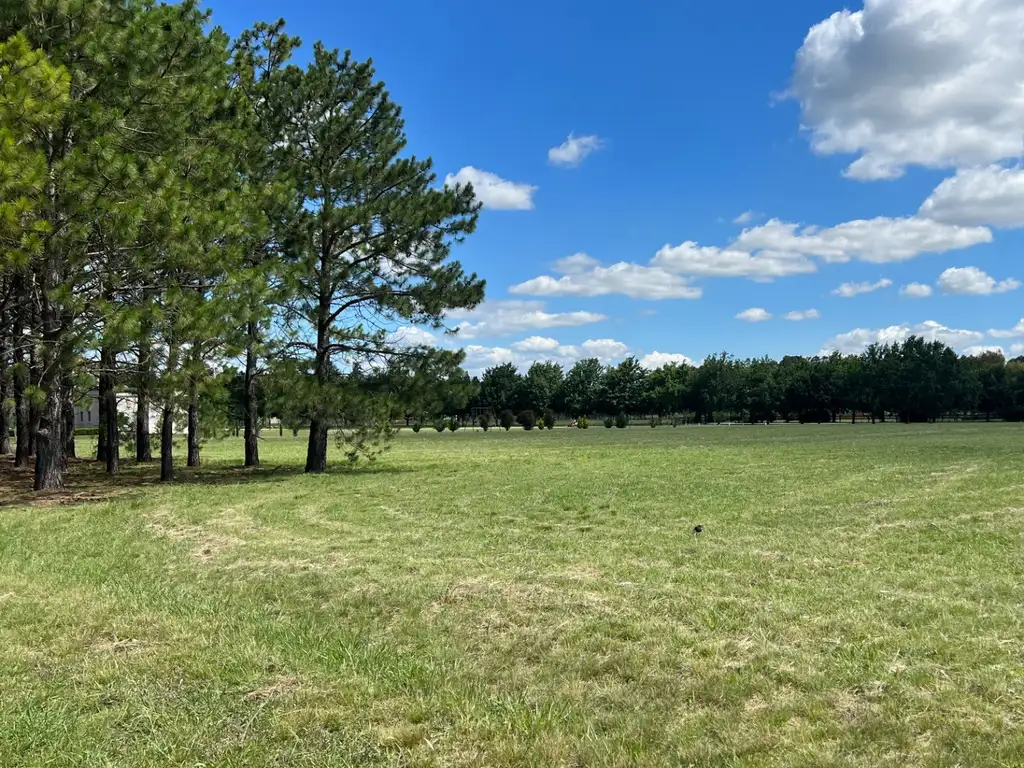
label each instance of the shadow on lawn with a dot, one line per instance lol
(87, 481)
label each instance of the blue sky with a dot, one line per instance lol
(731, 160)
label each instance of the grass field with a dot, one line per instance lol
(529, 599)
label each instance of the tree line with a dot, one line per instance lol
(172, 198)
(912, 381)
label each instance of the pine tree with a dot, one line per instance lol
(371, 241)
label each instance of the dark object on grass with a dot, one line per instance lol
(698, 530)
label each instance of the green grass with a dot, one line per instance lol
(530, 599)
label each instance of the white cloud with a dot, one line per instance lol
(849, 290)
(412, 336)
(992, 195)
(540, 349)
(798, 315)
(494, 191)
(1017, 349)
(973, 281)
(536, 344)
(856, 341)
(691, 259)
(916, 291)
(656, 360)
(632, 280)
(1013, 333)
(914, 82)
(878, 240)
(754, 315)
(979, 349)
(501, 318)
(574, 150)
(747, 216)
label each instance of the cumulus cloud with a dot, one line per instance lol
(798, 315)
(1011, 333)
(574, 150)
(980, 349)
(1017, 349)
(412, 336)
(916, 291)
(505, 317)
(746, 217)
(541, 349)
(856, 341)
(655, 360)
(973, 281)
(632, 280)
(914, 82)
(773, 250)
(691, 259)
(494, 191)
(754, 315)
(992, 195)
(878, 240)
(849, 290)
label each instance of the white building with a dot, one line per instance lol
(87, 413)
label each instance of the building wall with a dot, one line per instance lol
(87, 413)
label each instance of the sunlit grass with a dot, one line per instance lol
(530, 599)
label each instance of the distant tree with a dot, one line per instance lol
(581, 387)
(501, 388)
(541, 386)
(623, 387)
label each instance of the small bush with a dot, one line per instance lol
(540, 423)
(86, 432)
(453, 425)
(609, 422)
(417, 427)
(653, 422)
(583, 423)
(507, 419)
(484, 421)
(622, 421)
(527, 420)
(440, 425)
(550, 418)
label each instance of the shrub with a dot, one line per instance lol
(453, 425)
(622, 421)
(440, 425)
(653, 422)
(527, 420)
(87, 431)
(550, 417)
(540, 423)
(507, 419)
(417, 427)
(609, 422)
(582, 423)
(484, 421)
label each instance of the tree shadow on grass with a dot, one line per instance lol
(86, 481)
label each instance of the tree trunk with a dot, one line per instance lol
(143, 444)
(167, 445)
(19, 382)
(68, 413)
(193, 425)
(316, 452)
(50, 460)
(252, 447)
(108, 398)
(101, 429)
(5, 384)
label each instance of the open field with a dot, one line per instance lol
(530, 599)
